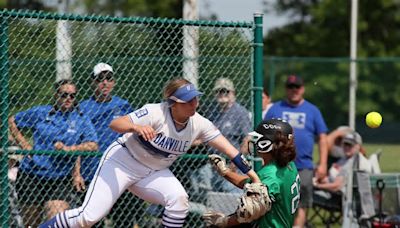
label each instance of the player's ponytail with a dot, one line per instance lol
(171, 86)
(284, 150)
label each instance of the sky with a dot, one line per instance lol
(240, 10)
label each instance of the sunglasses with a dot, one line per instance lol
(222, 91)
(105, 76)
(348, 144)
(67, 95)
(293, 86)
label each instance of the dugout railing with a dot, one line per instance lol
(39, 48)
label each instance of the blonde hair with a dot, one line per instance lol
(172, 85)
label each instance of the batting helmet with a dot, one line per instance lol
(265, 134)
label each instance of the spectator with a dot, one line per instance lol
(340, 170)
(102, 108)
(43, 180)
(229, 116)
(266, 102)
(234, 122)
(334, 140)
(308, 123)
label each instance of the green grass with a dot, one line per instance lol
(389, 160)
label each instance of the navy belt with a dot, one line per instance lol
(150, 147)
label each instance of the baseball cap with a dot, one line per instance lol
(101, 67)
(294, 80)
(352, 138)
(224, 83)
(185, 94)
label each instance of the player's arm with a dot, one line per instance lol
(220, 166)
(124, 124)
(17, 135)
(222, 144)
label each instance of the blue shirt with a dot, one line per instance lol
(101, 114)
(234, 123)
(70, 128)
(307, 122)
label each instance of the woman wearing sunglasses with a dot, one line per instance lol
(43, 179)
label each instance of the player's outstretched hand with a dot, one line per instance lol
(215, 219)
(146, 132)
(219, 164)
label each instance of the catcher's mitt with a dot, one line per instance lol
(254, 203)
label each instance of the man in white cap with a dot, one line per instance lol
(101, 108)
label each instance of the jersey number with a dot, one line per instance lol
(295, 190)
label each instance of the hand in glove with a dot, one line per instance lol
(219, 164)
(215, 219)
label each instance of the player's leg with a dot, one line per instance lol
(306, 193)
(162, 187)
(111, 179)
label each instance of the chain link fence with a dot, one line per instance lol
(37, 49)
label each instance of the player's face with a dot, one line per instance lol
(104, 84)
(294, 93)
(66, 97)
(187, 109)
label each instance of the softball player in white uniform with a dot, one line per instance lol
(155, 136)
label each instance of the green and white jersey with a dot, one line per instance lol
(283, 187)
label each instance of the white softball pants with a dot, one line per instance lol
(119, 170)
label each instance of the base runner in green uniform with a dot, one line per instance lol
(279, 195)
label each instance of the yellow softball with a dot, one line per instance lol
(373, 119)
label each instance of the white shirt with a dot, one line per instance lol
(169, 142)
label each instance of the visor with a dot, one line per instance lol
(185, 94)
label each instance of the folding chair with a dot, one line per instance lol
(327, 207)
(355, 204)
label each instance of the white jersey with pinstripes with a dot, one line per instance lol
(169, 142)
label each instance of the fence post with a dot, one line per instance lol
(258, 67)
(258, 72)
(4, 117)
